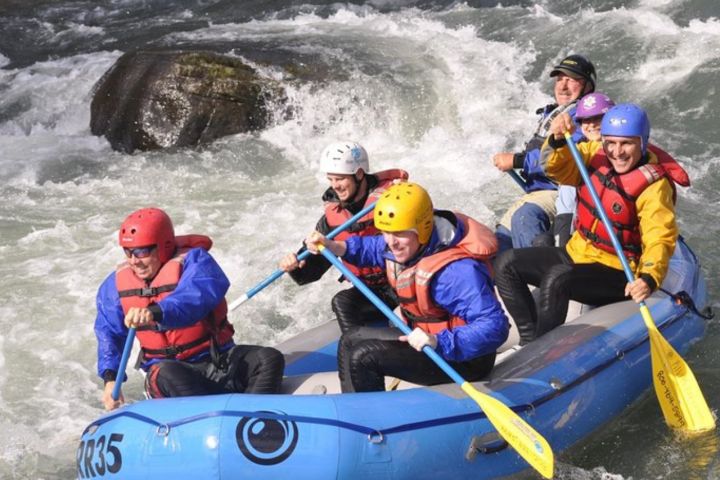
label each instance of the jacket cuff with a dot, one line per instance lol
(109, 376)
(518, 160)
(647, 278)
(556, 143)
(157, 313)
(296, 275)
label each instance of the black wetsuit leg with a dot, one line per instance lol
(175, 378)
(253, 369)
(353, 309)
(516, 269)
(366, 355)
(589, 283)
(559, 281)
(243, 368)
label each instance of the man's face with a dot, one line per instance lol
(623, 152)
(345, 186)
(145, 267)
(567, 89)
(403, 245)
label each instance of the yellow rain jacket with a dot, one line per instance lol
(655, 211)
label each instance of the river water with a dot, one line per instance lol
(434, 87)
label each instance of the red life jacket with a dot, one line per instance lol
(178, 343)
(618, 194)
(412, 284)
(336, 215)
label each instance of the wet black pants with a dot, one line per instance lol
(367, 354)
(242, 369)
(353, 309)
(559, 279)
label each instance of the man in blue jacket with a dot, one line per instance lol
(173, 293)
(533, 213)
(438, 264)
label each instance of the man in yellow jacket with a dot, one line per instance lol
(636, 185)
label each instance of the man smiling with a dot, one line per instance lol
(637, 190)
(352, 188)
(173, 292)
(438, 264)
(533, 213)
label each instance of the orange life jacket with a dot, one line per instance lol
(178, 343)
(618, 194)
(412, 284)
(336, 215)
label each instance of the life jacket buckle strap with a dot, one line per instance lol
(173, 350)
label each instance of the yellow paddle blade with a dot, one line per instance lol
(681, 400)
(526, 441)
(522, 437)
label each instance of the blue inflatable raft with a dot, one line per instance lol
(566, 385)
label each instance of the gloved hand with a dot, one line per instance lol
(418, 338)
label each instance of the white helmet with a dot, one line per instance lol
(344, 158)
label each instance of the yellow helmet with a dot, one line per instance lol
(405, 206)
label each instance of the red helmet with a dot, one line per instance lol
(149, 226)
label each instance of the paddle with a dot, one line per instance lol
(278, 273)
(123, 363)
(679, 394)
(526, 441)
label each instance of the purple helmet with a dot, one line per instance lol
(593, 105)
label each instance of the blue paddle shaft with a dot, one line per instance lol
(439, 361)
(123, 364)
(603, 216)
(302, 256)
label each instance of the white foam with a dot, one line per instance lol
(435, 99)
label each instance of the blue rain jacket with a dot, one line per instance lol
(532, 170)
(463, 288)
(202, 286)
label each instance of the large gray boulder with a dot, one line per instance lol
(151, 100)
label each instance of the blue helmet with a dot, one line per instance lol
(627, 120)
